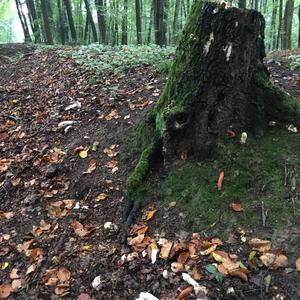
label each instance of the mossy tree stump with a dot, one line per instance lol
(217, 82)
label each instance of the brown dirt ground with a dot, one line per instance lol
(34, 92)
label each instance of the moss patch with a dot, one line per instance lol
(254, 172)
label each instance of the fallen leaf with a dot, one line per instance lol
(63, 275)
(165, 250)
(220, 180)
(230, 133)
(5, 290)
(112, 164)
(92, 166)
(185, 293)
(84, 296)
(14, 274)
(298, 264)
(183, 257)
(236, 207)
(149, 215)
(177, 267)
(196, 274)
(273, 261)
(138, 229)
(83, 153)
(112, 115)
(101, 197)
(16, 284)
(61, 288)
(81, 230)
(7, 215)
(31, 269)
(184, 155)
(260, 245)
(239, 273)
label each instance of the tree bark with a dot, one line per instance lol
(47, 28)
(150, 24)
(91, 20)
(23, 21)
(279, 24)
(101, 21)
(299, 27)
(61, 21)
(272, 44)
(138, 22)
(175, 21)
(286, 41)
(33, 20)
(218, 81)
(71, 21)
(125, 24)
(159, 26)
(242, 4)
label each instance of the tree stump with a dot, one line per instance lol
(219, 82)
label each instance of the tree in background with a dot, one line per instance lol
(125, 22)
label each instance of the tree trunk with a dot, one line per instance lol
(279, 24)
(175, 22)
(299, 27)
(91, 20)
(138, 22)
(217, 82)
(287, 25)
(47, 28)
(101, 21)
(159, 26)
(23, 21)
(34, 20)
(273, 26)
(150, 24)
(125, 24)
(242, 4)
(61, 21)
(71, 21)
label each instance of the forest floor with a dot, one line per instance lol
(64, 137)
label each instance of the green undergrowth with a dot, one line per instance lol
(117, 60)
(254, 173)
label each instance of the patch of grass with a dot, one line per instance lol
(117, 60)
(254, 172)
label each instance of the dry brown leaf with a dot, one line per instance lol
(34, 254)
(138, 229)
(196, 274)
(69, 203)
(63, 275)
(84, 296)
(16, 284)
(5, 290)
(209, 250)
(136, 240)
(139, 247)
(177, 267)
(273, 261)
(298, 264)
(112, 115)
(112, 164)
(165, 250)
(14, 274)
(222, 270)
(184, 155)
(236, 207)
(101, 197)
(92, 166)
(230, 265)
(7, 215)
(31, 269)
(260, 245)
(61, 288)
(183, 257)
(81, 230)
(185, 293)
(240, 274)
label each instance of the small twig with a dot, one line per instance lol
(264, 214)
(2, 114)
(286, 174)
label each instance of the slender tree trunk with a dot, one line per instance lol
(150, 24)
(23, 21)
(138, 22)
(34, 20)
(279, 33)
(287, 25)
(86, 30)
(71, 21)
(61, 21)
(273, 26)
(175, 22)
(101, 21)
(125, 24)
(91, 20)
(47, 28)
(242, 4)
(299, 27)
(159, 26)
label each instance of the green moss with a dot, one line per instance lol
(135, 180)
(254, 172)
